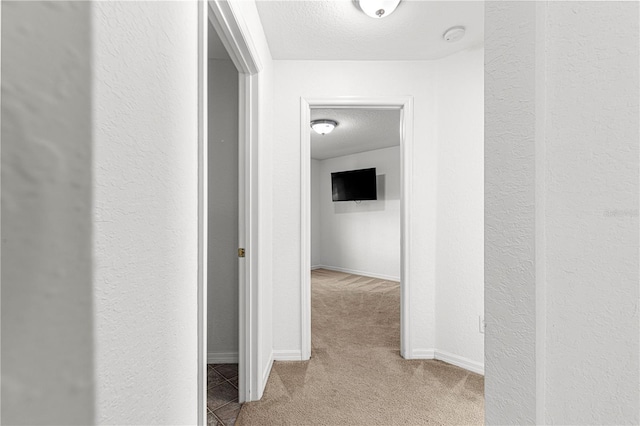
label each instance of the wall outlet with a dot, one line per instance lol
(481, 324)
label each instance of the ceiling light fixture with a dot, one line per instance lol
(322, 127)
(378, 8)
(454, 34)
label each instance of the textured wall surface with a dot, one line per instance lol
(319, 79)
(510, 364)
(365, 237)
(145, 211)
(47, 314)
(460, 227)
(222, 293)
(561, 206)
(591, 213)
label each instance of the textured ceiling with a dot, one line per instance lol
(358, 130)
(339, 30)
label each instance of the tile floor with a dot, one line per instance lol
(222, 394)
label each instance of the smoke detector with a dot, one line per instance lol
(453, 34)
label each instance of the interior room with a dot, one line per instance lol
(358, 236)
(519, 196)
(432, 274)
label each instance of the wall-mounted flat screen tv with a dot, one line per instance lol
(354, 185)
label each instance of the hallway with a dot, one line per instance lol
(356, 374)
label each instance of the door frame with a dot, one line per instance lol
(235, 36)
(405, 105)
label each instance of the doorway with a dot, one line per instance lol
(355, 234)
(404, 105)
(223, 233)
(223, 19)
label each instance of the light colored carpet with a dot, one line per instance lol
(356, 375)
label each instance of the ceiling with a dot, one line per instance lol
(339, 30)
(358, 130)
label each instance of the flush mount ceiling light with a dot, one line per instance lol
(322, 127)
(378, 8)
(454, 34)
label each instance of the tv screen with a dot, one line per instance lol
(354, 185)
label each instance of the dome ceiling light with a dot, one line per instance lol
(323, 127)
(378, 8)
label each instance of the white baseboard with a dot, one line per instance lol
(423, 354)
(460, 361)
(222, 358)
(287, 356)
(356, 272)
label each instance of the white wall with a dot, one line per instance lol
(47, 314)
(222, 292)
(145, 182)
(319, 79)
(510, 304)
(362, 238)
(315, 214)
(562, 213)
(327, 79)
(591, 213)
(460, 222)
